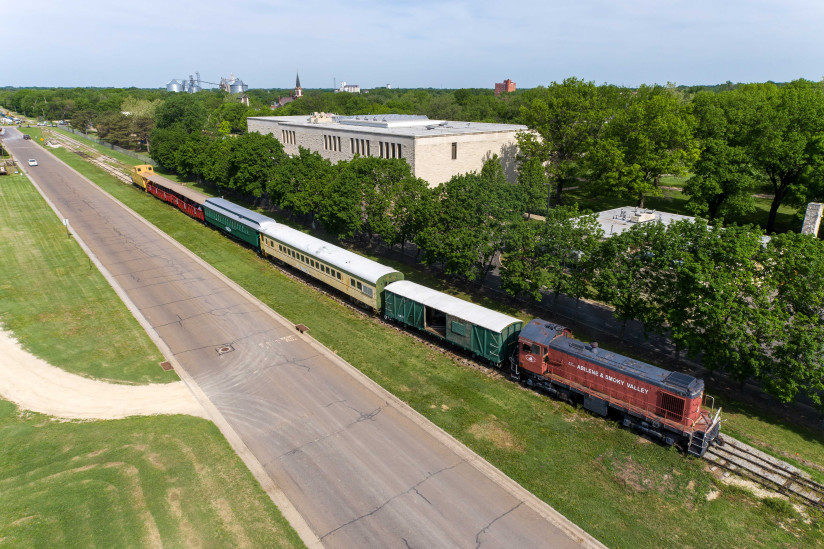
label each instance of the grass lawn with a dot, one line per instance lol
(624, 490)
(163, 481)
(58, 304)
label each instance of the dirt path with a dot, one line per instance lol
(35, 385)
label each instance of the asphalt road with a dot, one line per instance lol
(360, 468)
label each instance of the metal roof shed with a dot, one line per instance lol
(488, 334)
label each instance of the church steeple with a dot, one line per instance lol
(298, 89)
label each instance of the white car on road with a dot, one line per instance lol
(32, 162)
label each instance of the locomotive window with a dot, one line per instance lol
(536, 350)
(527, 348)
(338, 275)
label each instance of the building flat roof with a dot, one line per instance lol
(454, 306)
(618, 220)
(393, 125)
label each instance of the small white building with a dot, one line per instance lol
(618, 220)
(436, 150)
(348, 88)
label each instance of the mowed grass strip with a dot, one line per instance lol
(57, 303)
(621, 488)
(162, 481)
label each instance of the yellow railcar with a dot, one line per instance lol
(138, 173)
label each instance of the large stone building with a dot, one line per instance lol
(435, 149)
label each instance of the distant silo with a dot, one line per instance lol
(175, 86)
(237, 86)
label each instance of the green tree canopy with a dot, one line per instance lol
(650, 134)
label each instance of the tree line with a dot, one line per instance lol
(733, 140)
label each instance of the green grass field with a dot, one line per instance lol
(58, 304)
(159, 481)
(619, 487)
(164, 481)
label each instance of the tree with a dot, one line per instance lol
(471, 214)
(533, 184)
(252, 161)
(340, 210)
(794, 264)
(649, 136)
(182, 110)
(81, 120)
(300, 181)
(564, 120)
(114, 127)
(141, 127)
(525, 263)
(723, 181)
(165, 145)
(190, 157)
(620, 275)
(781, 132)
(381, 179)
(411, 211)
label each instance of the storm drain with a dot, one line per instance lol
(223, 349)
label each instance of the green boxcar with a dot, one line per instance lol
(488, 334)
(234, 220)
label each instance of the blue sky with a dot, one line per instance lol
(406, 43)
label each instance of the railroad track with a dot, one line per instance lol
(91, 155)
(772, 473)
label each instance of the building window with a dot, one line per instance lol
(454, 151)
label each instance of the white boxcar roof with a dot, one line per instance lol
(451, 305)
(352, 263)
(239, 213)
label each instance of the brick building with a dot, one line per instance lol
(507, 86)
(436, 150)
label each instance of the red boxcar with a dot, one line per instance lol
(186, 205)
(664, 404)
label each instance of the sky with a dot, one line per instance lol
(410, 43)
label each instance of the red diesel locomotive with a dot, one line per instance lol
(665, 405)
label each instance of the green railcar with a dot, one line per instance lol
(488, 334)
(236, 221)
